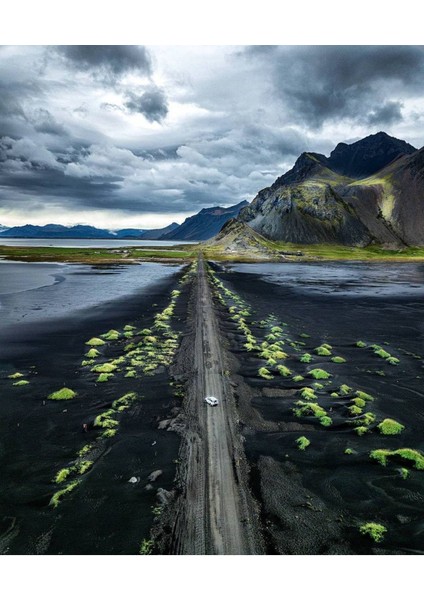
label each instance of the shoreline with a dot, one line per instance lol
(182, 254)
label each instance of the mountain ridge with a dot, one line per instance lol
(314, 203)
(204, 224)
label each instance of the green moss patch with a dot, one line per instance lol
(62, 475)
(83, 466)
(322, 351)
(308, 393)
(21, 382)
(390, 427)
(375, 531)
(303, 442)
(413, 456)
(104, 368)
(319, 374)
(265, 373)
(16, 375)
(111, 335)
(103, 377)
(62, 394)
(338, 359)
(306, 358)
(95, 341)
(57, 497)
(364, 396)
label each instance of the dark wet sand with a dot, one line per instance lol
(338, 304)
(106, 514)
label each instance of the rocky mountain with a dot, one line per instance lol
(367, 156)
(372, 190)
(205, 224)
(3, 228)
(391, 201)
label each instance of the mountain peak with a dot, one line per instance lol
(368, 155)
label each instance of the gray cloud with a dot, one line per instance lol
(152, 104)
(387, 114)
(318, 83)
(231, 122)
(108, 61)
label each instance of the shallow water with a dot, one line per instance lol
(343, 278)
(31, 293)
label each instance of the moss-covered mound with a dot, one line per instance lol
(63, 394)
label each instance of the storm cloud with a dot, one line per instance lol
(321, 83)
(139, 136)
(152, 104)
(109, 61)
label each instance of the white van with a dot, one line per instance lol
(211, 400)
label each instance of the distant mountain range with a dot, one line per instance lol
(368, 191)
(54, 231)
(205, 224)
(201, 226)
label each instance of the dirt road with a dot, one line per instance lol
(216, 514)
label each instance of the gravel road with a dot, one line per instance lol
(216, 514)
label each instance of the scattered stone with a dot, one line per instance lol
(164, 496)
(134, 479)
(177, 425)
(148, 487)
(164, 424)
(154, 475)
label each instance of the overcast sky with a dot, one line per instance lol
(137, 136)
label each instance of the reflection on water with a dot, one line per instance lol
(353, 278)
